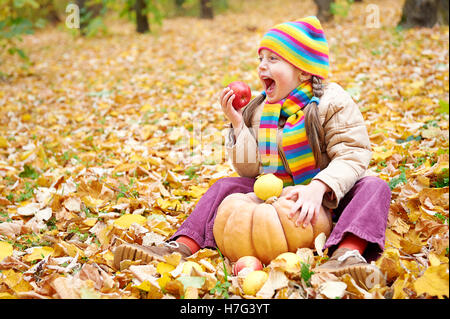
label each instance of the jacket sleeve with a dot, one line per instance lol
(347, 145)
(243, 151)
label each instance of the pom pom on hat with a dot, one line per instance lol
(302, 43)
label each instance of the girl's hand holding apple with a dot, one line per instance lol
(234, 116)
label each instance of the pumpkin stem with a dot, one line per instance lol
(271, 200)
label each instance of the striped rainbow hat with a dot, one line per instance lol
(302, 43)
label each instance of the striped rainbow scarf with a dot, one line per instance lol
(294, 142)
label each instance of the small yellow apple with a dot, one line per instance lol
(254, 281)
(267, 186)
(289, 261)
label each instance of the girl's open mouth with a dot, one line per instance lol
(269, 85)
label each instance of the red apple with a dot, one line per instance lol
(242, 92)
(247, 262)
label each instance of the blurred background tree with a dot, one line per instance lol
(140, 8)
(16, 20)
(424, 13)
(207, 11)
(415, 13)
(21, 17)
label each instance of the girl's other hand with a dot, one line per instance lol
(226, 101)
(308, 200)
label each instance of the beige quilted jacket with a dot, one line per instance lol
(346, 152)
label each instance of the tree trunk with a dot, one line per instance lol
(53, 16)
(179, 9)
(206, 9)
(324, 10)
(443, 12)
(142, 25)
(424, 13)
(179, 3)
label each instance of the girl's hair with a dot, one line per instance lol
(314, 130)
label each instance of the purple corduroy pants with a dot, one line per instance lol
(362, 211)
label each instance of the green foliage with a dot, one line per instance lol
(306, 273)
(341, 8)
(192, 7)
(18, 18)
(27, 193)
(192, 172)
(401, 179)
(222, 287)
(443, 107)
(442, 180)
(126, 191)
(23, 17)
(29, 172)
(92, 17)
(154, 10)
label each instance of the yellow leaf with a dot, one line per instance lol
(6, 249)
(25, 155)
(126, 220)
(163, 280)
(173, 259)
(354, 289)
(389, 264)
(191, 293)
(6, 295)
(173, 116)
(175, 135)
(3, 142)
(392, 238)
(109, 256)
(153, 291)
(145, 286)
(146, 108)
(26, 117)
(154, 160)
(38, 253)
(11, 278)
(147, 131)
(124, 167)
(41, 153)
(90, 221)
(434, 281)
(163, 268)
(439, 169)
(63, 248)
(105, 235)
(167, 204)
(434, 260)
(196, 192)
(22, 286)
(399, 285)
(431, 132)
(400, 226)
(380, 153)
(89, 201)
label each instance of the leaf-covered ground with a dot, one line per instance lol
(115, 138)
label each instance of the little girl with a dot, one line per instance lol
(313, 137)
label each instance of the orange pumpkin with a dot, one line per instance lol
(247, 226)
